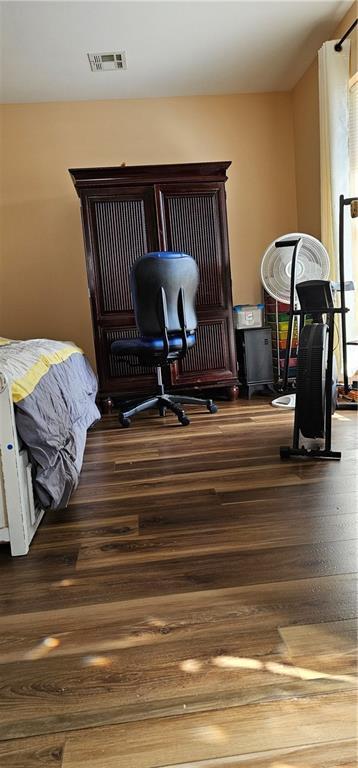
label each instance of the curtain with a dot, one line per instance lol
(335, 165)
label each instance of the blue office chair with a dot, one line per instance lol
(164, 286)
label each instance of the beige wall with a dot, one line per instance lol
(43, 282)
(305, 100)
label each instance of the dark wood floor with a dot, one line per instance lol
(193, 607)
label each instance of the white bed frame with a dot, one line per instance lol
(19, 513)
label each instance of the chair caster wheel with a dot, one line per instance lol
(162, 411)
(184, 421)
(284, 452)
(124, 421)
(212, 408)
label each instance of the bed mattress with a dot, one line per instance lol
(53, 389)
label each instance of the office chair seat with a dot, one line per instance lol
(146, 344)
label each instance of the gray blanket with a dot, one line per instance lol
(52, 422)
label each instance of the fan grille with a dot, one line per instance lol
(312, 264)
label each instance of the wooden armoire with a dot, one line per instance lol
(129, 211)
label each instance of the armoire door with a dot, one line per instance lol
(121, 227)
(194, 221)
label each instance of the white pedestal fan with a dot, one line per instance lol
(291, 259)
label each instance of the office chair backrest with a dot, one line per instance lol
(170, 271)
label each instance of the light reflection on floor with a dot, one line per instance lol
(210, 734)
(191, 665)
(64, 583)
(276, 668)
(96, 661)
(47, 645)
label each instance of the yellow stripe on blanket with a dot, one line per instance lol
(4, 341)
(23, 387)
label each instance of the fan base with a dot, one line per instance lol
(286, 401)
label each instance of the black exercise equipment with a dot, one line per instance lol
(316, 384)
(352, 202)
(315, 381)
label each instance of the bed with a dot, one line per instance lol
(47, 403)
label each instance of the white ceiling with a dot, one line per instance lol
(173, 48)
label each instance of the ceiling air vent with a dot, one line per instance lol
(100, 62)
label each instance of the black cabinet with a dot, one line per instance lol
(254, 354)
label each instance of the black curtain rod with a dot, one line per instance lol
(338, 46)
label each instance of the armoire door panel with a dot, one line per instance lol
(208, 360)
(125, 373)
(122, 230)
(192, 224)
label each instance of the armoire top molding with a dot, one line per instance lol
(84, 178)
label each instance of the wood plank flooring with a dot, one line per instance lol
(193, 607)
